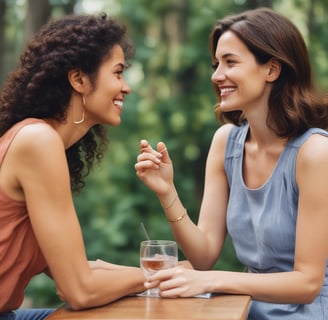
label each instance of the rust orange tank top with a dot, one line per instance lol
(20, 254)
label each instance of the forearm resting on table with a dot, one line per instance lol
(103, 286)
(101, 264)
(282, 287)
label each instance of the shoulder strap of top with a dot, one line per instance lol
(7, 138)
(288, 158)
(237, 135)
(297, 142)
(234, 148)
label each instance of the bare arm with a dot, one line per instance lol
(300, 285)
(201, 244)
(46, 189)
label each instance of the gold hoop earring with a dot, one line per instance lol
(82, 119)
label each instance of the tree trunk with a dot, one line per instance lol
(311, 18)
(2, 37)
(37, 14)
(252, 4)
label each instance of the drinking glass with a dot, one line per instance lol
(157, 255)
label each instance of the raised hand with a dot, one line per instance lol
(154, 168)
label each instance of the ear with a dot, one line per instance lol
(77, 80)
(274, 69)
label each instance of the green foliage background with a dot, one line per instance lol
(172, 101)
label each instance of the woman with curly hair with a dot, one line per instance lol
(52, 110)
(266, 176)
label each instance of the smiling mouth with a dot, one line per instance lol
(224, 91)
(118, 103)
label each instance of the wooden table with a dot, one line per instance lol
(218, 307)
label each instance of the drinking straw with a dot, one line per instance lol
(144, 230)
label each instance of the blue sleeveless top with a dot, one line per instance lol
(262, 224)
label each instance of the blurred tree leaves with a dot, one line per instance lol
(172, 101)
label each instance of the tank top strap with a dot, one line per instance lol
(7, 138)
(235, 148)
(297, 142)
(236, 141)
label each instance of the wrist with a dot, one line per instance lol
(177, 219)
(170, 203)
(167, 200)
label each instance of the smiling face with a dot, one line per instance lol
(243, 83)
(104, 102)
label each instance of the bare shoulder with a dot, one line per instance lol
(38, 132)
(312, 164)
(224, 130)
(37, 137)
(34, 146)
(216, 153)
(314, 151)
(221, 135)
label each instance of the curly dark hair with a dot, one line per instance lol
(294, 103)
(39, 87)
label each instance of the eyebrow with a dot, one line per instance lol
(120, 64)
(227, 55)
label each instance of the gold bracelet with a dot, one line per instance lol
(178, 218)
(171, 204)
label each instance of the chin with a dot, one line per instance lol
(226, 109)
(114, 123)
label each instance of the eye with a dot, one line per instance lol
(231, 62)
(215, 66)
(119, 73)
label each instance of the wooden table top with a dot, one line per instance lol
(218, 307)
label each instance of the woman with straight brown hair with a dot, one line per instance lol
(266, 176)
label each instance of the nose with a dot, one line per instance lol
(126, 88)
(218, 75)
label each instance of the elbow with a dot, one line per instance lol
(84, 301)
(77, 298)
(84, 298)
(77, 304)
(311, 291)
(89, 301)
(78, 301)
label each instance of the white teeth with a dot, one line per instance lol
(225, 90)
(118, 103)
